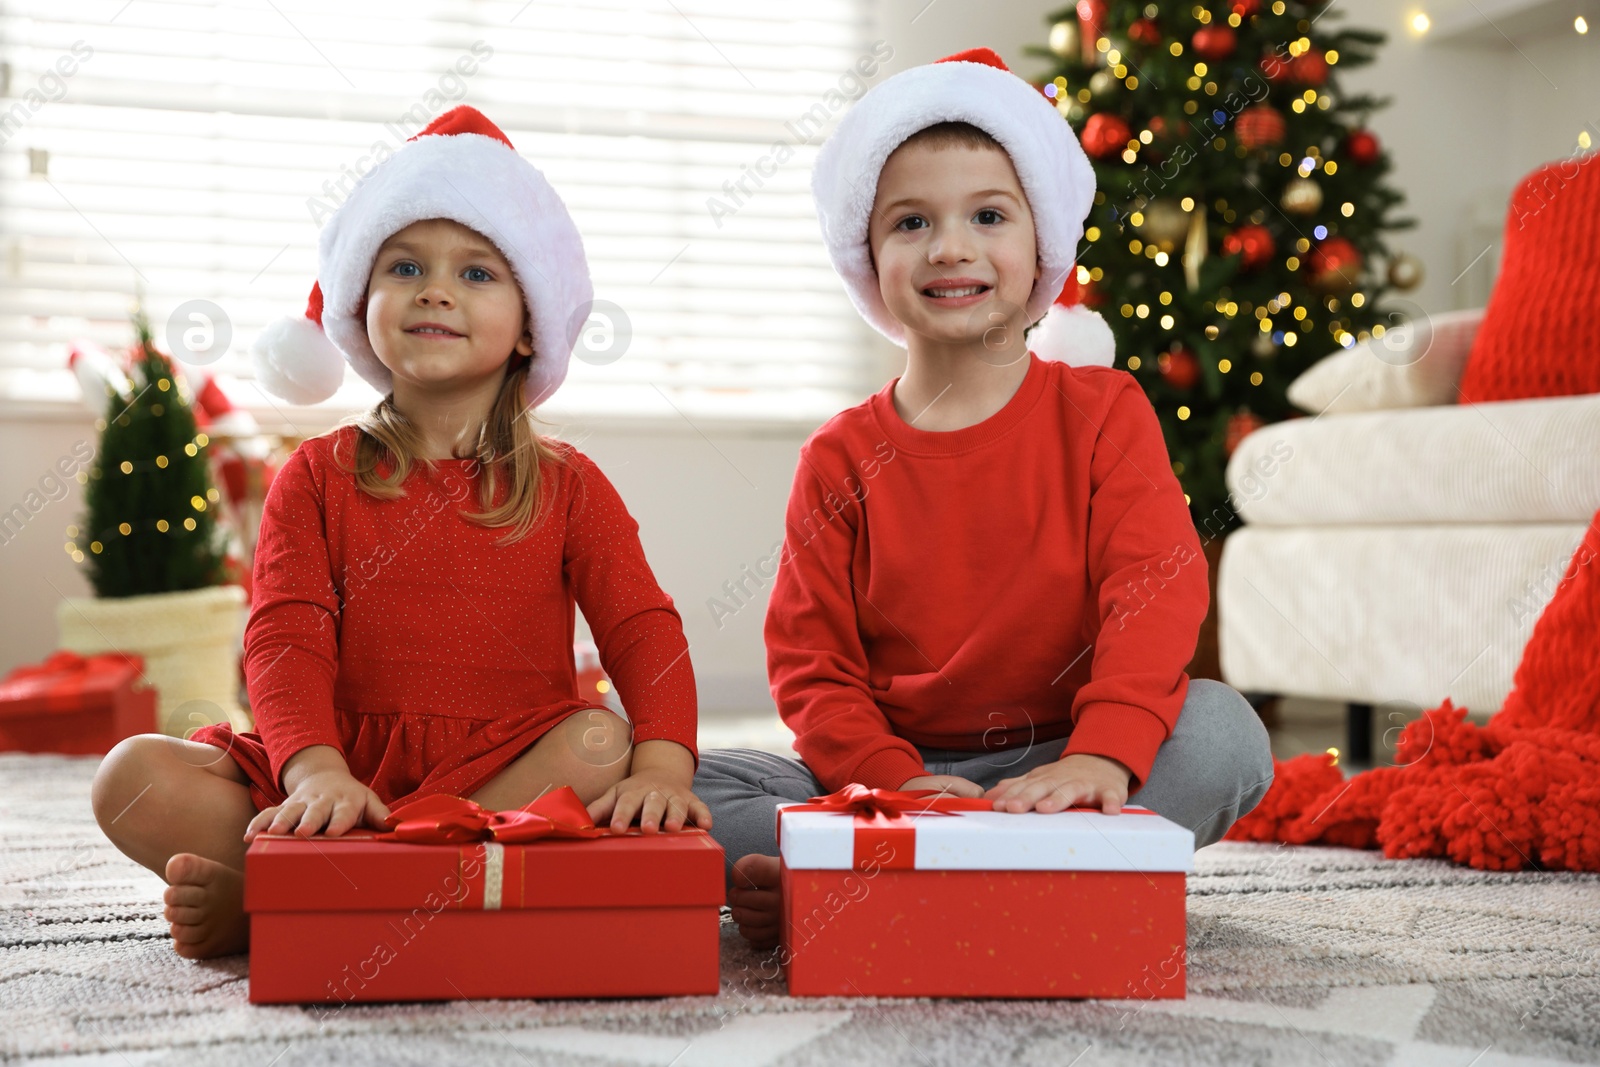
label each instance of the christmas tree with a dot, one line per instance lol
(1240, 212)
(150, 526)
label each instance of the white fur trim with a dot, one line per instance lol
(485, 185)
(1056, 175)
(296, 361)
(1075, 336)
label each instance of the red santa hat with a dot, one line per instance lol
(460, 167)
(975, 87)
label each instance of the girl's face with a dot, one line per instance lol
(443, 309)
(952, 239)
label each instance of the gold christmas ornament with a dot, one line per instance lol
(1405, 271)
(1263, 346)
(1195, 248)
(1301, 196)
(1065, 40)
(1102, 84)
(1165, 223)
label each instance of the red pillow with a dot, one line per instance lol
(1541, 332)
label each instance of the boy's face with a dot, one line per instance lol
(952, 239)
(441, 272)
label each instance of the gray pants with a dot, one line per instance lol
(1214, 768)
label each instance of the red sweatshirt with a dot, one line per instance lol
(1034, 577)
(401, 634)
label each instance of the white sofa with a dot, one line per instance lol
(1401, 555)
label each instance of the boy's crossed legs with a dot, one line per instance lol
(1214, 768)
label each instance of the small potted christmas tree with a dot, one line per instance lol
(153, 551)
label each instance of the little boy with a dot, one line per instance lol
(990, 582)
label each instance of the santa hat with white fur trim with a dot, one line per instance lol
(460, 167)
(974, 87)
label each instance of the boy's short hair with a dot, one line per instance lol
(951, 135)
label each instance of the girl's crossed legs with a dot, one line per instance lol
(180, 809)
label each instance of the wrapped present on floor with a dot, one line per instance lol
(924, 894)
(76, 705)
(451, 901)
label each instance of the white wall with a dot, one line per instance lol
(1466, 122)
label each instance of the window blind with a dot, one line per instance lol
(192, 149)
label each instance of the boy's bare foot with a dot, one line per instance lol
(205, 905)
(757, 907)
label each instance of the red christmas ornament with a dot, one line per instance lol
(1245, 8)
(1240, 425)
(1214, 42)
(1145, 31)
(1274, 67)
(1104, 135)
(1334, 264)
(1362, 147)
(1260, 126)
(1162, 136)
(1253, 243)
(1179, 367)
(1310, 68)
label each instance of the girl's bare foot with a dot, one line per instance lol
(205, 905)
(757, 906)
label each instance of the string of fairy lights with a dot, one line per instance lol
(128, 468)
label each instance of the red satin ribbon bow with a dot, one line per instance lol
(443, 819)
(885, 819)
(859, 800)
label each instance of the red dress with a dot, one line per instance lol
(399, 632)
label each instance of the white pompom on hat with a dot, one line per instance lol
(1072, 333)
(463, 168)
(974, 87)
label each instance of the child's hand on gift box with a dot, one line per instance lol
(659, 803)
(949, 784)
(656, 792)
(1094, 781)
(322, 794)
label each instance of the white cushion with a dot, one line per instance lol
(1381, 614)
(1511, 461)
(1415, 364)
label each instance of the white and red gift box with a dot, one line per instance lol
(919, 894)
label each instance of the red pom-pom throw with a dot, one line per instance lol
(1521, 792)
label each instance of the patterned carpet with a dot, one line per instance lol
(1297, 956)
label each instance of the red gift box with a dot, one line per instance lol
(459, 903)
(76, 705)
(923, 894)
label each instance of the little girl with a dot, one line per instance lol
(412, 624)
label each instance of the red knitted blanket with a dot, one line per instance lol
(1522, 791)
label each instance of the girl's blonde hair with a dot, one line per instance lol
(508, 446)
